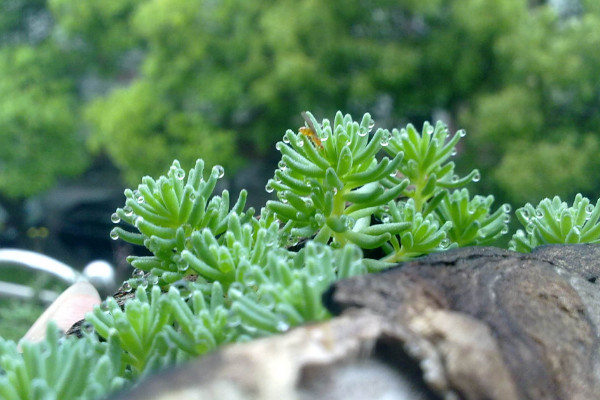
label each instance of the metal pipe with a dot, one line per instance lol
(38, 262)
(100, 273)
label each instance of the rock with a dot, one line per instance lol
(494, 324)
(330, 361)
(473, 323)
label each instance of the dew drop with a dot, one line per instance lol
(138, 273)
(114, 234)
(476, 177)
(220, 171)
(385, 141)
(286, 140)
(308, 202)
(126, 287)
(539, 213)
(589, 209)
(269, 188)
(363, 133)
(371, 125)
(454, 178)
(192, 196)
(115, 218)
(140, 198)
(453, 152)
(506, 208)
(282, 326)
(128, 211)
(462, 133)
(300, 143)
(282, 197)
(152, 279)
(282, 165)
(180, 174)
(183, 266)
(506, 219)
(445, 243)
(278, 145)
(429, 129)
(87, 327)
(504, 230)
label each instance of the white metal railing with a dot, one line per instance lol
(100, 273)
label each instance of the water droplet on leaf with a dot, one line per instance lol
(87, 327)
(115, 218)
(138, 273)
(539, 213)
(219, 170)
(282, 326)
(589, 209)
(114, 235)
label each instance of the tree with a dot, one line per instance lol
(537, 131)
(222, 79)
(38, 107)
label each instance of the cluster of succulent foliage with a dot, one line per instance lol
(553, 221)
(348, 202)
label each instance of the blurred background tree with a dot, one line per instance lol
(38, 102)
(145, 81)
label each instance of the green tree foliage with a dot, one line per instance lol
(537, 129)
(213, 79)
(38, 110)
(247, 67)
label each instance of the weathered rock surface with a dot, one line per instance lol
(473, 323)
